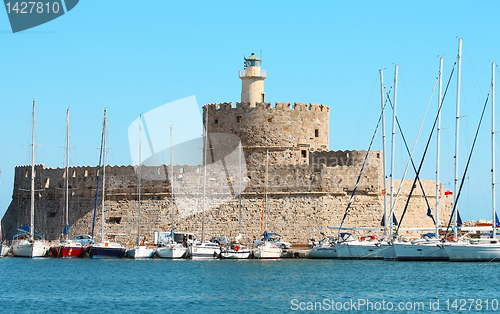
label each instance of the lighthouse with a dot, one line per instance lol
(252, 81)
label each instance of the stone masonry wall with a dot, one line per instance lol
(300, 199)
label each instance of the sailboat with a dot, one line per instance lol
(24, 244)
(172, 249)
(482, 249)
(266, 249)
(4, 249)
(236, 250)
(105, 248)
(371, 248)
(141, 250)
(67, 248)
(428, 247)
(204, 249)
(325, 248)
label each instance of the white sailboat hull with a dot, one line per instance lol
(204, 251)
(362, 250)
(4, 250)
(140, 252)
(420, 252)
(25, 248)
(466, 252)
(323, 252)
(242, 253)
(388, 251)
(267, 250)
(172, 252)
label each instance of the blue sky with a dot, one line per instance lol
(132, 57)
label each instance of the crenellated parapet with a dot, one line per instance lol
(285, 106)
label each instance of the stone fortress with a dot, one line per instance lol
(307, 187)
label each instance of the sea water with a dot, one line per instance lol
(49, 285)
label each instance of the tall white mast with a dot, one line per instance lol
(32, 207)
(456, 138)
(139, 190)
(438, 144)
(172, 177)
(493, 147)
(383, 152)
(205, 146)
(105, 140)
(265, 195)
(66, 166)
(239, 205)
(393, 148)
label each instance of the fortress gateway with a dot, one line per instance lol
(308, 185)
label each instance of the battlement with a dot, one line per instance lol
(267, 105)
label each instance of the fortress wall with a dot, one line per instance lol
(300, 199)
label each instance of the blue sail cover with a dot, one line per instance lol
(459, 219)
(66, 230)
(497, 222)
(24, 229)
(429, 235)
(26, 232)
(394, 220)
(267, 235)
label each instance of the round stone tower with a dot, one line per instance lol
(288, 132)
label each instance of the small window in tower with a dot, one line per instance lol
(304, 153)
(74, 174)
(51, 215)
(216, 121)
(270, 120)
(86, 173)
(316, 133)
(238, 119)
(47, 182)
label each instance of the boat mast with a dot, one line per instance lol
(383, 151)
(438, 144)
(105, 140)
(265, 188)
(32, 206)
(239, 205)
(205, 146)
(493, 148)
(139, 187)
(66, 161)
(456, 138)
(393, 149)
(172, 178)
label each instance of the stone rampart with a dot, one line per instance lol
(300, 198)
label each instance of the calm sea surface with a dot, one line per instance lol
(51, 285)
